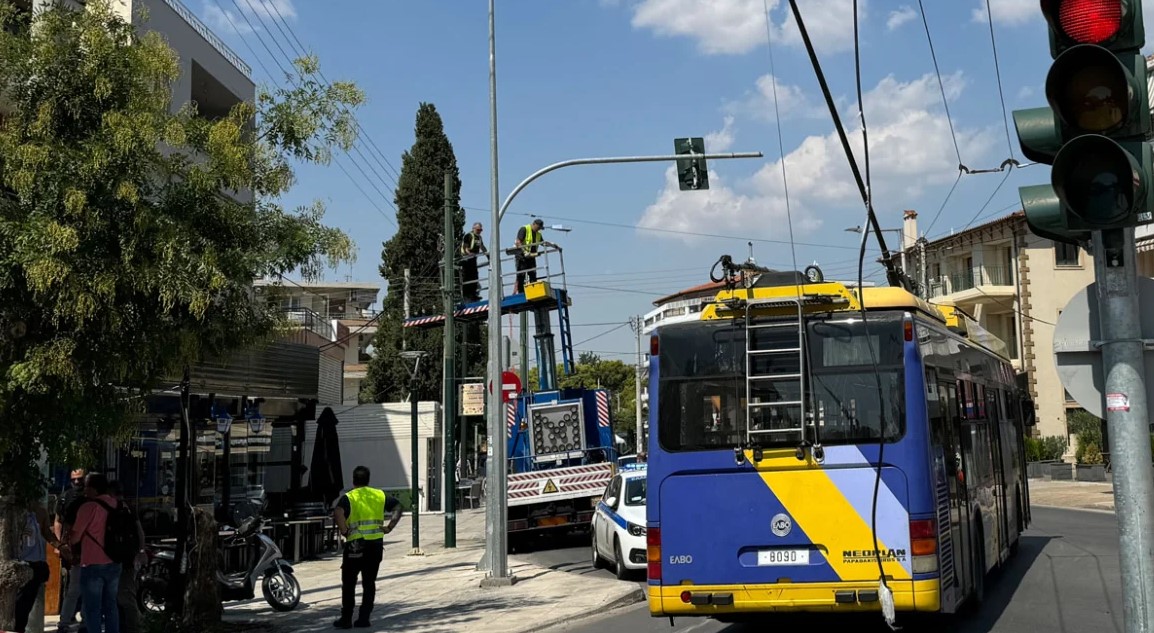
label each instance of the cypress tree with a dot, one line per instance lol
(417, 245)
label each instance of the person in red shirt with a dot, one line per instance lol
(99, 576)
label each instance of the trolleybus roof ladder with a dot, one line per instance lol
(754, 381)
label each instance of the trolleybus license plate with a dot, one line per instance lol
(783, 557)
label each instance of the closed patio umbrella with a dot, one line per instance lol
(326, 477)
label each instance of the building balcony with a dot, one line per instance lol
(974, 286)
(305, 318)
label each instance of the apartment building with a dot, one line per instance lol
(338, 316)
(1015, 284)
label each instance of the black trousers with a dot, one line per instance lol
(26, 597)
(526, 268)
(469, 286)
(366, 566)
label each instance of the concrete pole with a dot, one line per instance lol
(450, 366)
(496, 559)
(1126, 415)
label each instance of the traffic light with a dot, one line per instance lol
(692, 173)
(1094, 132)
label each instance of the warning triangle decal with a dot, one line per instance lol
(550, 487)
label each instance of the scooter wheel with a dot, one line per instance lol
(282, 595)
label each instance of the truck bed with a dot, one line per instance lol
(558, 484)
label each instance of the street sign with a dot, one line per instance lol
(1078, 354)
(472, 399)
(510, 385)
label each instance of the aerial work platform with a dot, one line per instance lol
(541, 297)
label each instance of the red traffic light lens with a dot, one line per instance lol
(1090, 21)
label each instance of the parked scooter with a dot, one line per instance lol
(279, 585)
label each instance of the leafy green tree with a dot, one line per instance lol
(121, 261)
(420, 202)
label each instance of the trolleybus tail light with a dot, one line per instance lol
(686, 597)
(924, 545)
(653, 552)
(908, 328)
(653, 345)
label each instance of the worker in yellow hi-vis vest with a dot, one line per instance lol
(528, 237)
(360, 516)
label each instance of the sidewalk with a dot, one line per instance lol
(1072, 494)
(439, 592)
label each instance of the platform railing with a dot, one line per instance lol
(550, 267)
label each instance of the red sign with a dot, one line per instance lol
(510, 385)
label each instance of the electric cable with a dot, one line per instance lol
(885, 593)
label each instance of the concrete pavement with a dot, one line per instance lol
(440, 591)
(1072, 494)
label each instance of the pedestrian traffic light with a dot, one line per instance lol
(692, 173)
(1094, 132)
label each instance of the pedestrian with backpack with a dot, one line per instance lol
(107, 529)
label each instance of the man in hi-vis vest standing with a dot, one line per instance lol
(528, 237)
(360, 516)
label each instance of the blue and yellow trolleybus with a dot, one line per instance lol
(816, 449)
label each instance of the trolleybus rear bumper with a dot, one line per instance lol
(707, 600)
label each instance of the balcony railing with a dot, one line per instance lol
(210, 37)
(958, 282)
(311, 321)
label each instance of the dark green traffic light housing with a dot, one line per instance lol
(1094, 132)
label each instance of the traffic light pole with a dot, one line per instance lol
(1126, 416)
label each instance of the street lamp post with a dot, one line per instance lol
(415, 356)
(902, 242)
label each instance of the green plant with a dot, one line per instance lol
(1052, 448)
(1087, 428)
(1091, 454)
(1033, 449)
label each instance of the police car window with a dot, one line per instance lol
(635, 491)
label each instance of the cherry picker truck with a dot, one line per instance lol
(561, 450)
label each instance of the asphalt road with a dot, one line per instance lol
(570, 553)
(1065, 579)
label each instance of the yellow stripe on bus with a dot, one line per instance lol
(819, 508)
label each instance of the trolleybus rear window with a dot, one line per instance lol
(702, 394)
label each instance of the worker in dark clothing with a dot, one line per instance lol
(471, 246)
(528, 237)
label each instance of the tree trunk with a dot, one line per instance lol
(202, 607)
(13, 575)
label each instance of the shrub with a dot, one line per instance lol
(1091, 454)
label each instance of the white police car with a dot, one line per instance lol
(618, 531)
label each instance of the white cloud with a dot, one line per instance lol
(759, 102)
(225, 20)
(910, 150)
(900, 17)
(1025, 92)
(736, 27)
(722, 139)
(1008, 12)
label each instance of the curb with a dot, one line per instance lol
(633, 597)
(1074, 508)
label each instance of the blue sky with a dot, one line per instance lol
(585, 78)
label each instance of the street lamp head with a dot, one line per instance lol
(413, 354)
(854, 229)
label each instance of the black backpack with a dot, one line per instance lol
(121, 540)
